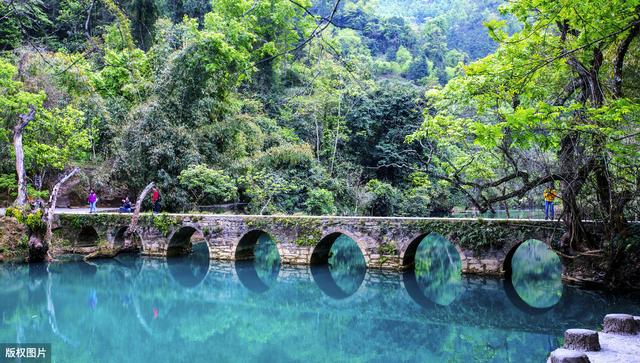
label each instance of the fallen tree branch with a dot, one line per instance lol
(588, 253)
(133, 225)
(53, 199)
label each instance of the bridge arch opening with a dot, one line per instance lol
(180, 242)
(338, 265)
(437, 270)
(188, 257)
(88, 236)
(119, 238)
(257, 261)
(533, 276)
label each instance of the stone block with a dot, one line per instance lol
(567, 356)
(620, 324)
(581, 339)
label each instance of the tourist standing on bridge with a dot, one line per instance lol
(549, 194)
(155, 200)
(93, 200)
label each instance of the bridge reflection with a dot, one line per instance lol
(533, 277)
(257, 261)
(438, 269)
(534, 285)
(190, 270)
(345, 267)
(152, 296)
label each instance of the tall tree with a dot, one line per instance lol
(552, 104)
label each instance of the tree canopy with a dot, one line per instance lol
(403, 107)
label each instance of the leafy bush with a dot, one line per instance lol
(386, 197)
(31, 220)
(8, 182)
(270, 193)
(14, 213)
(164, 223)
(34, 221)
(320, 202)
(287, 156)
(207, 185)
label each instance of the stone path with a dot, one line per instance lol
(73, 210)
(616, 348)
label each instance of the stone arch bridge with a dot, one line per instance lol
(485, 246)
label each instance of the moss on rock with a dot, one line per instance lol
(13, 240)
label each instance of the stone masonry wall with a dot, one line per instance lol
(386, 243)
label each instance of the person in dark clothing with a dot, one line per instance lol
(126, 206)
(155, 200)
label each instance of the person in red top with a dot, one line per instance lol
(155, 200)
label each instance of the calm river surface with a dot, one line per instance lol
(187, 309)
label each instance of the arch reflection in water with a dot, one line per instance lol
(261, 266)
(190, 270)
(345, 267)
(130, 262)
(438, 270)
(536, 274)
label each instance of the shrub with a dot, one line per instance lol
(207, 185)
(320, 202)
(14, 213)
(34, 221)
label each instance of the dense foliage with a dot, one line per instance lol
(319, 106)
(290, 106)
(554, 104)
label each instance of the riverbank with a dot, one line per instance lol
(13, 240)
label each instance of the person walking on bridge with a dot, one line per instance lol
(549, 194)
(93, 200)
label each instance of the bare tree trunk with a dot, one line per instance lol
(136, 215)
(335, 142)
(53, 199)
(21, 199)
(265, 205)
(315, 119)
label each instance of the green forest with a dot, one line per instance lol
(352, 107)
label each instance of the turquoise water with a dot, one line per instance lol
(187, 309)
